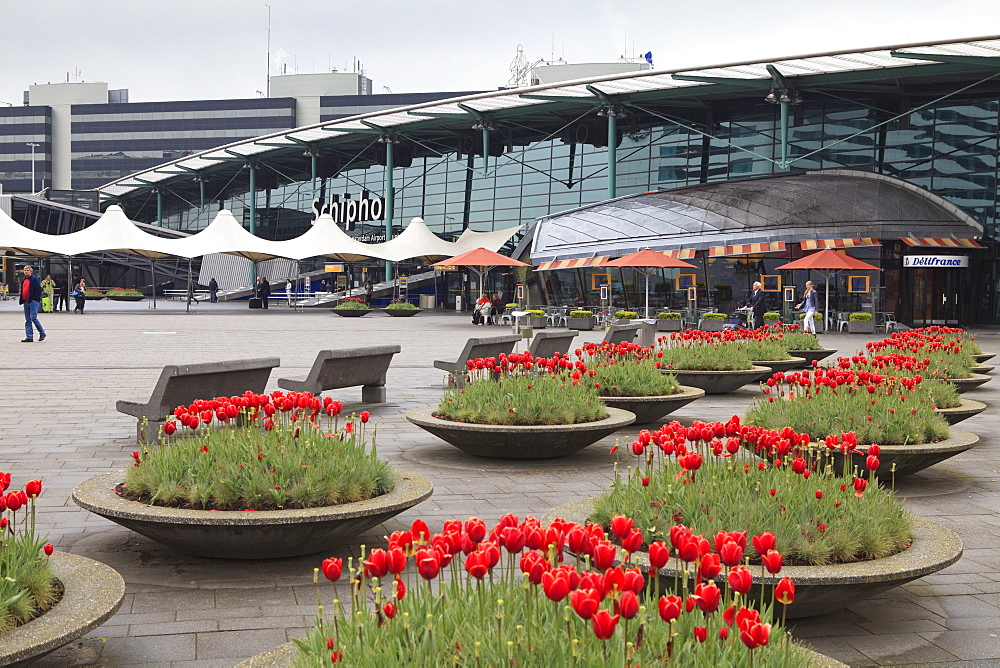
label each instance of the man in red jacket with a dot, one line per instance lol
(31, 298)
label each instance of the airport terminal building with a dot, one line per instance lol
(889, 152)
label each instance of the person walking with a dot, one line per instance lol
(369, 290)
(213, 291)
(64, 293)
(31, 299)
(56, 294)
(757, 304)
(80, 293)
(810, 302)
(262, 290)
(48, 293)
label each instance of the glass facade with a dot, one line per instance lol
(19, 127)
(110, 141)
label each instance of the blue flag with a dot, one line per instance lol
(649, 57)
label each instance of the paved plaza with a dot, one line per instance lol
(58, 422)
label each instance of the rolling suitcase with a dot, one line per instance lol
(255, 303)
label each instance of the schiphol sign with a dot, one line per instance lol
(349, 212)
(949, 261)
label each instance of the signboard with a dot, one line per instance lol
(341, 281)
(949, 261)
(348, 212)
(605, 292)
(333, 268)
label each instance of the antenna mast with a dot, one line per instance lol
(268, 86)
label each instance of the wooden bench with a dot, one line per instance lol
(349, 367)
(546, 343)
(477, 348)
(621, 333)
(180, 384)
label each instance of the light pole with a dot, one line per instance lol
(33, 147)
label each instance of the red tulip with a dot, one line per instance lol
(755, 635)
(633, 581)
(585, 602)
(13, 502)
(33, 488)
(420, 531)
(476, 529)
(555, 584)
(513, 539)
(731, 554)
(400, 589)
(364, 415)
(604, 624)
(819, 494)
(169, 427)
(377, 564)
(329, 643)
(534, 565)
(659, 554)
(627, 605)
(332, 569)
(784, 592)
(395, 560)
(477, 564)
(710, 566)
(859, 486)
(604, 555)
(670, 608)
(872, 463)
(740, 580)
(688, 550)
(707, 596)
(428, 563)
(48, 549)
(764, 542)
(621, 526)
(772, 561)
(389, 609)
(700, 633)
(633, 541)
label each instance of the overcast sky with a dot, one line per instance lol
(216, 49)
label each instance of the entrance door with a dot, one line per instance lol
(935, 296)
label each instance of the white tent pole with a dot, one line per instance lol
(647, 293)
(826, 314)
(152, 274)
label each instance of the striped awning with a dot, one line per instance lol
(856, 242)
(746, 249)
(943, 242)
(682, 254)
(579, 263)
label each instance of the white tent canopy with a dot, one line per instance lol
(113, 231)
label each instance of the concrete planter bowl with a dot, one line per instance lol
(983, 357)
(651, 409)
(668, 324)
(581, 324)
(811, 355)
(401, 312)
(126, 298)
(982, 368)
(351, 312)
(712, 325)
(820, 590)
(266, 534)
(910, 458)
(963, 385)
(780, 365)
(520, 442)
(719, 382)
(968, 408)
(93, 592)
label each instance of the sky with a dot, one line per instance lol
(218, 49)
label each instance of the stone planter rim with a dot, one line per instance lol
(967, 408)
(93, 593)
(755, 368)
(933, 548)
(619, 418)
(401, 312)
(685, 392)
(352, 311)
(96, 495)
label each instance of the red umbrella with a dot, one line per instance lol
(646, 262)
(480, 261)
(827, 261)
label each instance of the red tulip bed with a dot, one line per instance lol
(946, 352)
(27, 587)
(260, 452)
(512, 595)
(726, 350)
(626, 370)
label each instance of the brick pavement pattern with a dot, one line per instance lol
(58, 422)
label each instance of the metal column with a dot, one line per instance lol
(390, 196)
(252, 195)
(612, 154)
(783, 127)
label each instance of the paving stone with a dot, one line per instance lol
(228, 644)
(971, 644)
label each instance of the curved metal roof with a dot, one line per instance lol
(529, 114)
(812, 205)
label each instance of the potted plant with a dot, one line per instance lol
(626, 316)
(712, 322)
(47, 598)
(508, 598)
(581, 320)
(700, 359)
(864, 398)
(125, 295)
(764, 346)
(772, 317)
(819, 322)
(840, 539)
(536, 319)
(944, 351)
(90, 294)
(522, 407)
(352, 307)
(627, 377)
(256, 477)
(401, 309)
(668, 321)
(801, 344)
(860, 323)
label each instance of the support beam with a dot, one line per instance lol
(612, 154)
(390, 196)
(783, 129)
(252, 197)
(312, 174)
(985, 61)
(758, 84)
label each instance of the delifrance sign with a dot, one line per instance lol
(351, 211)
(950, 261)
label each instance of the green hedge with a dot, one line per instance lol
(860, 317)
(714, 316)
(668, 315)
